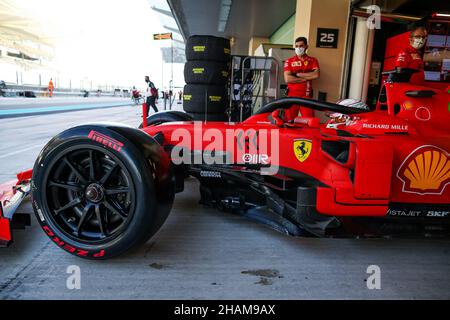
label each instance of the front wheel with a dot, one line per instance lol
(94, 201)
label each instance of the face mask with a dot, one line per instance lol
(300, 51)
(418, 43)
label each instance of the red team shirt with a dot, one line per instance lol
(411, 58)
(296, 65)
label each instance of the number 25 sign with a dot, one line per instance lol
(327, 38)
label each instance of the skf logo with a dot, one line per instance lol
(105, 140)
(302, 149)
(425, 171)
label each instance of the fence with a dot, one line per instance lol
(14, 90)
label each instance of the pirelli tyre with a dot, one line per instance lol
(198, 98)
(208, 48)
(206, 72)
(95, 192)
(209, 117)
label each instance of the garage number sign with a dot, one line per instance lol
(327, 38)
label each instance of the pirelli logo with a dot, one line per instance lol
(187, 97)
(198, 70)
(105, 140)
(215, 98)
(199, 48)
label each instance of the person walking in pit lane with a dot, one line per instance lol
(150, 93)
(50, 88)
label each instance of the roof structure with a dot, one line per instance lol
(21, 36)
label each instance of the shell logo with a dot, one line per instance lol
(425, 171)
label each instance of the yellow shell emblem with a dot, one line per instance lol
(425, 171)
(302, 149)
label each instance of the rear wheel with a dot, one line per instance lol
(219, 117)
(166, 116)
(93, 201)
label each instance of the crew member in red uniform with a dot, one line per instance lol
(299, 71)
(410, 57)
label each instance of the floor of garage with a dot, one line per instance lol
(202, 253)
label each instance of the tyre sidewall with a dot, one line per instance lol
(145, 203)
(194, 98)
(211, 48)
(213, 117)
(206, 72)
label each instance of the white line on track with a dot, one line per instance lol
(6, 155)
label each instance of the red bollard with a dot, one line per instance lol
(144, 112)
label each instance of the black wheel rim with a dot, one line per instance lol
(89, 194)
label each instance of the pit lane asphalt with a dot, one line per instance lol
(19, 107)
(202, 253)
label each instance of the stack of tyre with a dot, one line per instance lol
(206, 73)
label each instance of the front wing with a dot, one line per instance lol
(11, 196)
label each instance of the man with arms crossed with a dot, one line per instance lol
(299, 71)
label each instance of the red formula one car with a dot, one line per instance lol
(100, 189)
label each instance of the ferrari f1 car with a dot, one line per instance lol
(100, 189)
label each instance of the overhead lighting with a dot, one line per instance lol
(224, 14)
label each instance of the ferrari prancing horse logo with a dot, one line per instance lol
(302, 149)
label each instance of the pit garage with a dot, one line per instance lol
(350, 203)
